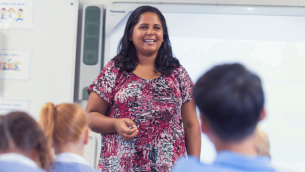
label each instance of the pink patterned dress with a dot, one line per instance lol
(155, 107)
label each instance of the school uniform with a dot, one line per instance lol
(13, 162)
(67, 162)
(226, 161)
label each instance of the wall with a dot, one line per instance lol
(214, 2)
(219, 2)
(208, 2)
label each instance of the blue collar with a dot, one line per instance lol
(233, 159)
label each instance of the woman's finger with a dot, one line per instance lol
(129, 137)
(130, 123)
(134, 134)
(130, 131)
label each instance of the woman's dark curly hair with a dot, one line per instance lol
(127, 57)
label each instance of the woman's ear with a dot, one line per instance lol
(130, 37)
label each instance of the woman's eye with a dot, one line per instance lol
(157, 28)
(143, 27)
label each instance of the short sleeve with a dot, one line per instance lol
(104, 83)
(186, 85)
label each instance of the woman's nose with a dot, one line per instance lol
(150, 31)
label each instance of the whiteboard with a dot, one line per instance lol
(46, 53)
(270, 41)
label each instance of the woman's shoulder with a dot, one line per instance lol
(112, 69)
(179, 70)
(111, 65)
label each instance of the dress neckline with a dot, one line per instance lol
(147, 79)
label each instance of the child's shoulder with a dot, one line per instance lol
(69, 166)
(10, 166)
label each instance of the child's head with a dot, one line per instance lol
(19, 133)
(230, 99)
(64, 123)
(11, 10)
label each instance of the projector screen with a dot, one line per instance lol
(268, 41)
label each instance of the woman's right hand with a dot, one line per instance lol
(98, 122)
(126, 128)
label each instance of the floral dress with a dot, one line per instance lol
(155, 107)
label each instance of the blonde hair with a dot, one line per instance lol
(62, 123)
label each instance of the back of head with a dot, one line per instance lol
(62, 123)
(231, 99)
(19, 132)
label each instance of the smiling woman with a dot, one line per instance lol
(141, 99)
(147, 35)
(146, 24)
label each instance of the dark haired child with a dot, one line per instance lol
(23, 146)
(231, 102)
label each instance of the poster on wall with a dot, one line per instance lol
(7, 106)
(16, 14)
(15, 64)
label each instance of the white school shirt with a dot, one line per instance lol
(70, 157)
(15, 157)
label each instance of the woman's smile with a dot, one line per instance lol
(149, 41)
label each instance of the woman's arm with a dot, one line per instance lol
(96, 109)
(191, 128)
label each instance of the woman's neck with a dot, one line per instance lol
(146, 67)
(147, 60)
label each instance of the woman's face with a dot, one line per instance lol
(147, 35)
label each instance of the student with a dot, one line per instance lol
(23, 146)
(230, 100)
(66, 128)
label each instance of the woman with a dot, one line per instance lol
(23, 146)
(65, 126)
(141, 99)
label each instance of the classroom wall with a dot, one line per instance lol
(215, 2)
(229, 2)
(207, 2)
